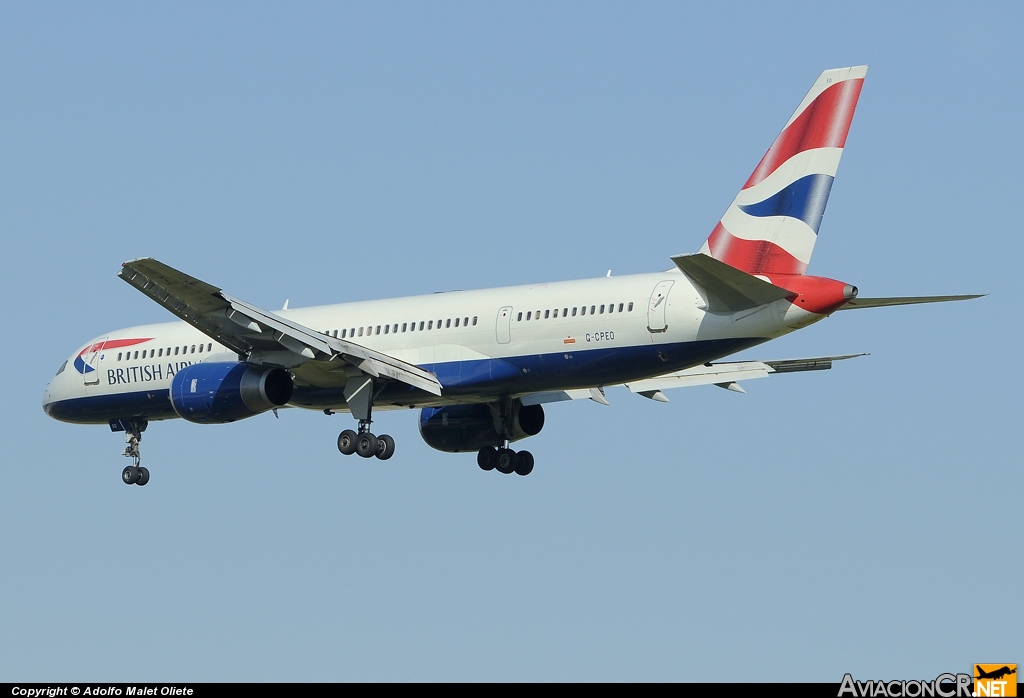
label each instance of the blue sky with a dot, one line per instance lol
(859, 520)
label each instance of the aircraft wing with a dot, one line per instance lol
(726, 374)
(264, 337)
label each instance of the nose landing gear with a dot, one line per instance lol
(134, 474)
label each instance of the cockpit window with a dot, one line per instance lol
(62, 367)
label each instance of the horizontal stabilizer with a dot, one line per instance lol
(726, 288)
(904, 300)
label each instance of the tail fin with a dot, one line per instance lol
(772, 224)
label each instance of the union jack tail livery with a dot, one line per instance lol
(772, 224)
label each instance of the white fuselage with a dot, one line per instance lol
(481, 344)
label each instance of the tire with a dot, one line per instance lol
(385, 447)
(486, 458)
(505, 461)
(347, 442)
(143, 477)
(130, 475)
(366, 445)
(524, 463)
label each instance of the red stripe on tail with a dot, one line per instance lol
(752, 256)
(824, 123)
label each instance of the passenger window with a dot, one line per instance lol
(175, 351)
(456, 322)
(430, 325)
(583, 310)
(404, 325)
(519, 318)
(193, 349)
(529, 315)
(574, 312)
(554, 313)
(547, 314)
(118, 358)
(448, 323)
(343, 334)
(394, 328)
(620, 307)
(421, 325)
(136, 355)
(386, 328)
(630, 308)
(209, 347)
(360, 331)
(611, 307)
(200, 348)
(474, 320)
(602, 309)
(465, 322)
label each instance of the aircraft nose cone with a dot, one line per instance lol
(47, 400)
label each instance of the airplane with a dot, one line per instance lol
(480, 365)
(996, 674)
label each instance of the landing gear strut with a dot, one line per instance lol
(359, 395)
(502, 458)
(134, 474)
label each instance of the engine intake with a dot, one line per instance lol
(216, 393)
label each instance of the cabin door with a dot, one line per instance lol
(90, 362)
(656, 321)
(503, 328)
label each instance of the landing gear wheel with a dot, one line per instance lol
(385, 447)
(524, 463)
(347, 442)
(143, 477)
(130, 475)
(505, 461)
(486, 458)
(366, 445)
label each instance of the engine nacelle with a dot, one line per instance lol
(472, 427)
(215, 393)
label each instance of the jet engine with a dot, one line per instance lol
(215, 393)
(472, 427)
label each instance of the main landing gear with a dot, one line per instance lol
(366, 444)
(359, 396)
(505, 460)
(134, 474)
